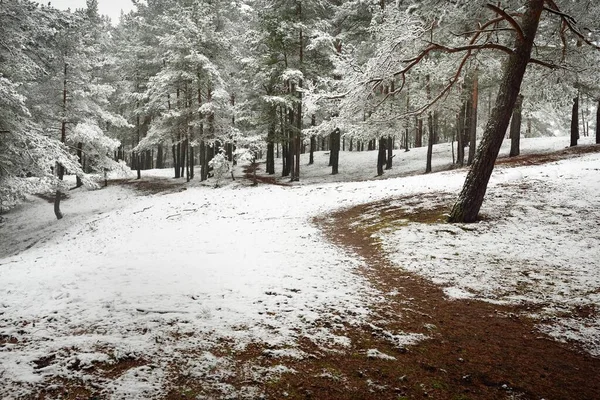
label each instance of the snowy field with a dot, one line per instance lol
(161, 276)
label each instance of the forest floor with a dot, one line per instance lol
(474, 349)
(169, 328)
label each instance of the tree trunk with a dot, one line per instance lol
(63, 139)
(183, 160)
(473, 119)
(191, 161)
(335, 151)
(460, 143)
(598, 123)
(515, 128)
(138, 161)
(271, 145)
(381, 156)
(429, 143)
(466, 209)
(575, 122)
(203, 169)
(80, 157)
(419, 133)
(160, 162)
(313, 145)
(390, 152)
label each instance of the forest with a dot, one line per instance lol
(300, 199)
(176, 83)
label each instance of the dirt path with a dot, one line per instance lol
(474, 350)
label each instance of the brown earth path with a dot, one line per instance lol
(474, 350)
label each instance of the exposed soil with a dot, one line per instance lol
(152, 186)
(538, 159)
(249, 173)
(473, 349)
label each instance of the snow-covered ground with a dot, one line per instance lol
(359, 166)
(538, 245)
(158, 276)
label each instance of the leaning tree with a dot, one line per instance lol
(511, 30)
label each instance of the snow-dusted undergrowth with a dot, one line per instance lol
(156, 277)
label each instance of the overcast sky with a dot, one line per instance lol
(112, 8)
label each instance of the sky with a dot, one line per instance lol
(112, 8)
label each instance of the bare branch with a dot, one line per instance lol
(508, 19)
(483, 31)
(570, 23)
(544, 63)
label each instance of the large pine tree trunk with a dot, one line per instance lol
(515, 128)
(575, 122)
(466, 209)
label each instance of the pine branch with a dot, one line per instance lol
(508, 19)
(570, 23)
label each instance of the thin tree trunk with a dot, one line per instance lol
(63, 139)
(473, 119)
(138, 161)
(429, 143)
(175, 166)
(80, 157)
(335, 151)
(460, 144)
(271, 145)
(515, 128)
(381, 156)
(203, 169)
(313, 145)
(419, 133)
(598, 123)
(390, 152)
(466, 209)
(160, 162)
(575, 122)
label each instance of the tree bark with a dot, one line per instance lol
(598, 123)
(203, 162)
(160, 162)
(460, 143)
(335, 151)
(390, 152)
(63, 138)
(429, 143)
(467, 207)
(515, 128)
(419, 133)
(381, 156)
(473, 118)
(271, 145)
(575, 122)
(80, 157)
